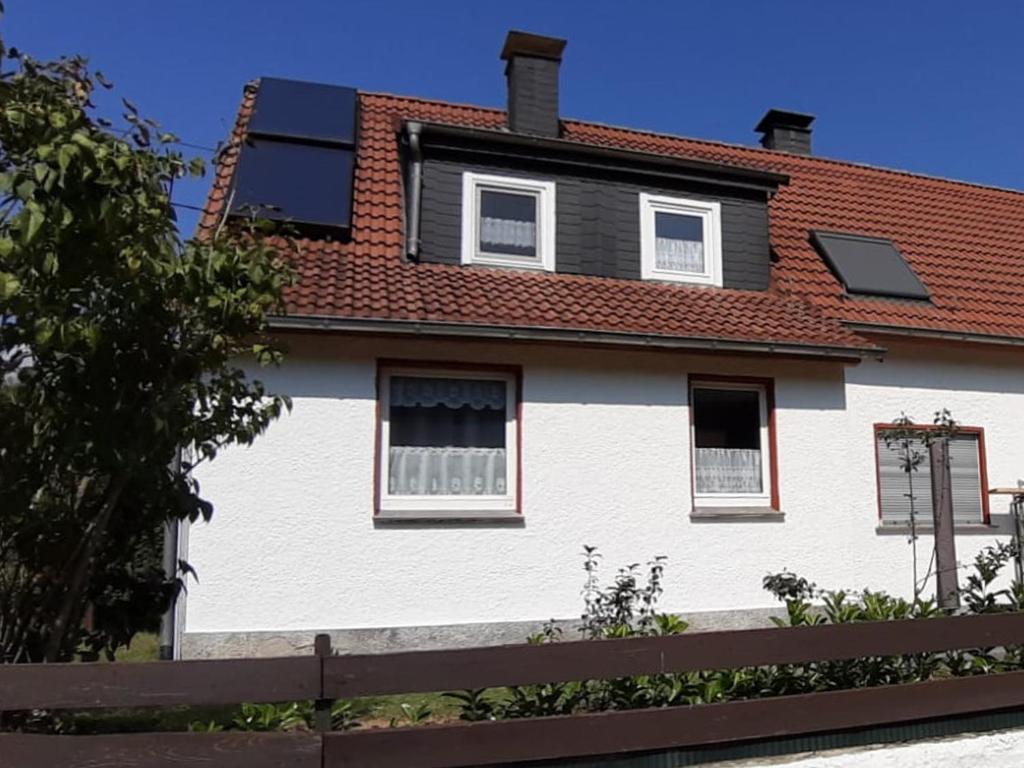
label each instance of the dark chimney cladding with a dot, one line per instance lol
(786, 131)
(532, 74)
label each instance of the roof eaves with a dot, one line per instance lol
(327, 323)
(888, 329)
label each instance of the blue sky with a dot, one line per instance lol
(934, 87)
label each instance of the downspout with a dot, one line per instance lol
(170, 563)
(170, 566)
(412, 232)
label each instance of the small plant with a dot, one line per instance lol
(295, 716)
(411, 714)
(626, 608)
(474, 705)
(977, 595)
(344, 716)
(288, 716)
(209, 726)
(913, 444)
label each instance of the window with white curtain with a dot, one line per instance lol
(508, 222)
(731, 445)
(905, 479)
(448, 443)
(680, 240)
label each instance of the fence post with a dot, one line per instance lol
(322, 706)
(947, 586)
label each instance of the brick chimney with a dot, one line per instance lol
(532, 73)
(786, 131)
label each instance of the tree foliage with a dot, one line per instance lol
(120, 344)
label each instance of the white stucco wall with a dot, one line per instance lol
(993, 750)
(293, 544)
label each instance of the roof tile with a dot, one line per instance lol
(964, 241)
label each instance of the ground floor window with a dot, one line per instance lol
(905, 481)
(448, 442)
(732, 441)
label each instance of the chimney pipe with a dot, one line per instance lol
(532, 73)
(786, 131)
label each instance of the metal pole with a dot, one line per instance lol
(170, 566)
(947, 587)
(322, 707)
(170, 563)
(1017, 512)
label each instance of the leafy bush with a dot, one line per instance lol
(628, 608)
(287, 716)
(625, 608)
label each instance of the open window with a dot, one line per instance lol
(905, 479)
(508, 222)
(733, 444)
(680, 240)
(448, 443)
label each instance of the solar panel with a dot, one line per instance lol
(869, 265)
(299, 183)
(299, 110)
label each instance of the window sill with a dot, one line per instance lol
(965, 529)
(444, 515)
(737, 514)
(499, 264)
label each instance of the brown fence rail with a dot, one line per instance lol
(325, 677)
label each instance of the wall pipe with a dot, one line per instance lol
(412, 232)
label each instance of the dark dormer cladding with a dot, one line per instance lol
(298, 159)
(869, 266)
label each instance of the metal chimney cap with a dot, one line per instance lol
(783, 118)
(519, 43)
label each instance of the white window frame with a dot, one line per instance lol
(472, 184)
(710, 214)
(759, 500)
(438, 506)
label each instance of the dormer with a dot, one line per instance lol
(526, 196)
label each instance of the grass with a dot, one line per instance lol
(144, 647)
(384, 709)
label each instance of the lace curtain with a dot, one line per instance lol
(419, 470)
(507, 232)
(425, 392)
(429, 467)
(678, 255)
(728, 470)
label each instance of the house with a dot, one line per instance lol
(515, 334)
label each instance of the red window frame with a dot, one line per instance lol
(452, 365)
(982, 462)
(768, 384)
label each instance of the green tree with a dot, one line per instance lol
(120, 344)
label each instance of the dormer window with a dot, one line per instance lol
(508, 222)
(680, 240)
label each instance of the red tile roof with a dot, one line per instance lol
(962, 240)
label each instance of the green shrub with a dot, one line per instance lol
(628, 608)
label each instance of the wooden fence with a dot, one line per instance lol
(324, 677)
